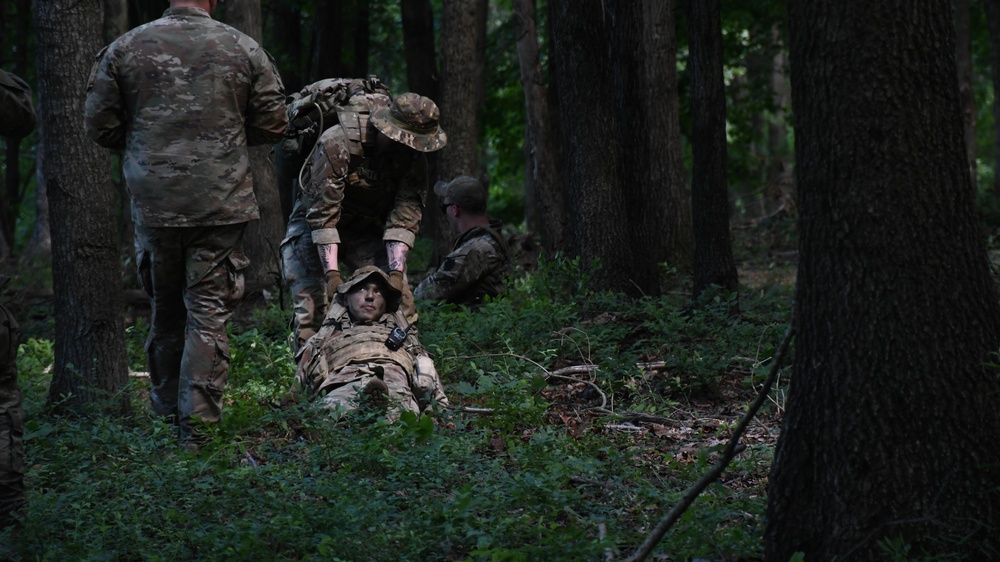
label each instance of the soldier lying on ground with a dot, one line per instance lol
(364, 348)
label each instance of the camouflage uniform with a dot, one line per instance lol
(359, 197)
(17, 119)
(345, 359)
(476, 267)
(184, 96)
(12, 495)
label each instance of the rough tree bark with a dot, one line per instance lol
(463, 74)
(362, 38)
(418, 44)
(115, 19)
(142, 11)
(891, 424)
(327, 51)
(544, 200)
(780, 177)
(285, 34)
(993, 22)
(713, 248)
(116, 22)
(422, 78)
(589, 125)
(90, 360)
(967, 92)
(12, 197)
(644, 60)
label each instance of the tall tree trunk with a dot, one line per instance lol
(463, 72)
(14, 188)
(544, 200)
(593, 185)
(144, 11)
(967, 92)
(327, 53)
(418, 44)
(284, 29)
(90, 359)
(652, 167)
(993, 22)
(713, 248)
(891, 422)
(285, 33)
(362, 39)
(115, 19)
(262, 236)
(116, 23)
(780, 178)
(10, 200)
(422, 78)
(40, 247)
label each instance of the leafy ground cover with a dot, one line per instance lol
(580, 419)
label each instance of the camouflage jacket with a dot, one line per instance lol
(184, 96)
(476, 267)
(17, 115)
(344, 191)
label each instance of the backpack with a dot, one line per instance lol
(319, 106)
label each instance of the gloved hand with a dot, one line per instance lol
(333, 280)
(396, 279)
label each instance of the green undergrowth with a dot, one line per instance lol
(511, 483)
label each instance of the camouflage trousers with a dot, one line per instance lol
(394, 391)
(303, 273)
(194, 278)
(12, 494)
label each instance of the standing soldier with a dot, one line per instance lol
(17, 119)
(362, 187)
(184, 96)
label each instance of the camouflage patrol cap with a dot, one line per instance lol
(375, 273)
(412, 119)
(464, 191)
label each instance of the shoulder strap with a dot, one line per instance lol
(500, 240)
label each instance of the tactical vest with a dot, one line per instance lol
(354, 345)
(363, 344)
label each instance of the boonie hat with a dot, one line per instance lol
(412, 119)
(374, 272)
(464, 191)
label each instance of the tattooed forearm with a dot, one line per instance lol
(397, 253)
(328, 256)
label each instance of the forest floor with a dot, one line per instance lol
(664, 428)
(765, 258)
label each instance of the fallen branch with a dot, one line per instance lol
(624, 427)
(652, 365)
(573, 369)
(727, 456)
(471, 410)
